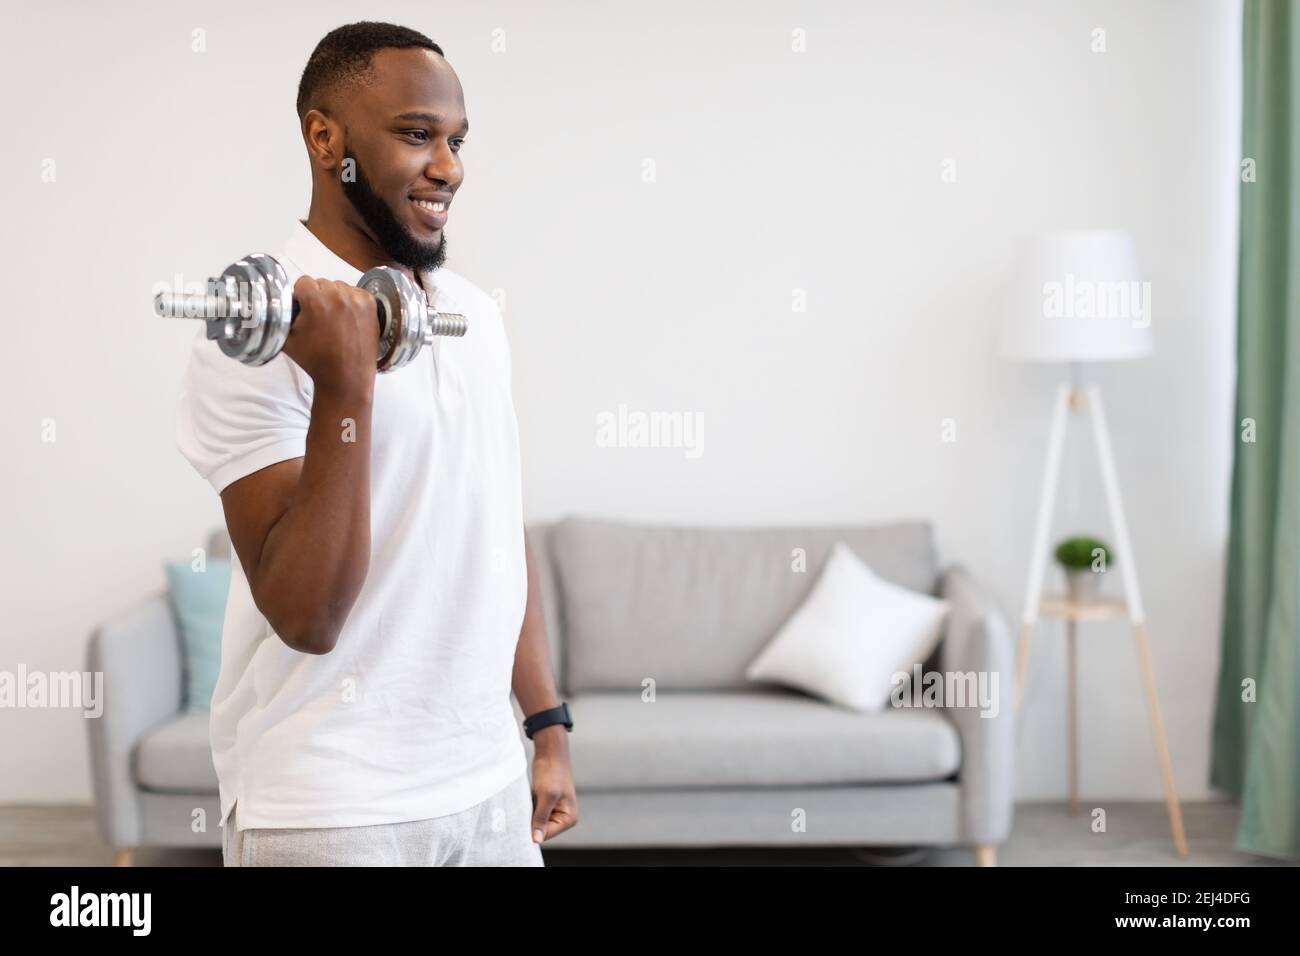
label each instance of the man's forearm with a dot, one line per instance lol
(533, 680)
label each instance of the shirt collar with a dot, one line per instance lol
(316, 259)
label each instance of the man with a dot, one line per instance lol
(384, 602)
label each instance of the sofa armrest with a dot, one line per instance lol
(139, 654)
(978, 642)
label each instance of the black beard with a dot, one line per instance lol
(394, 238)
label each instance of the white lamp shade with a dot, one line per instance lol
(1077, 297)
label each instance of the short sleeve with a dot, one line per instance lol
(234, 419)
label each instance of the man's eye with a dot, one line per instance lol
(421, 132)
(457, 144)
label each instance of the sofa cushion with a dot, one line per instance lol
(854, 635)
(177, 756)
(689, 608)
(752, 738)
(198, 600)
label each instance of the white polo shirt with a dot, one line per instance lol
(410, 715)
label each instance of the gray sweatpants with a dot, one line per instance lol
(496, 832)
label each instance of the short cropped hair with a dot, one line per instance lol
(342, 59)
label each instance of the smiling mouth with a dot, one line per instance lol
(432, 214)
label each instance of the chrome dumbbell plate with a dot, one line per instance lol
(256, 329)
(403, 315)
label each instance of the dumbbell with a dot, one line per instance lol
(250, 308)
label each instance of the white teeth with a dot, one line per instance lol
(435, 206)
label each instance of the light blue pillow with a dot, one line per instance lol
(198, 600)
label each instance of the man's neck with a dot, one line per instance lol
(353, 247)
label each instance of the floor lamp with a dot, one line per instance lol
(1076, 297)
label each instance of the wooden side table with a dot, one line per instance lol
(1072, 612)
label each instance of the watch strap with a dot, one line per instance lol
(545, 718)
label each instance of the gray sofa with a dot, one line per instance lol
(651, 628)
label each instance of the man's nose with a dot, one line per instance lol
(445, 166)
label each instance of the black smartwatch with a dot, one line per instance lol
(544, 718)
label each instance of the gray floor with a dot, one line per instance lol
(1043, 835)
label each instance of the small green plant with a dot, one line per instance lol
(1082, 553)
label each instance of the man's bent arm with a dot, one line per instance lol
(302, 528)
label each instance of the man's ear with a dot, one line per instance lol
(324, 138)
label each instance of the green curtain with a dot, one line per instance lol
(1256, 746)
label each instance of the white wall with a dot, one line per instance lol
(776, 170)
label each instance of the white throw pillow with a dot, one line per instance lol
(850, 637)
